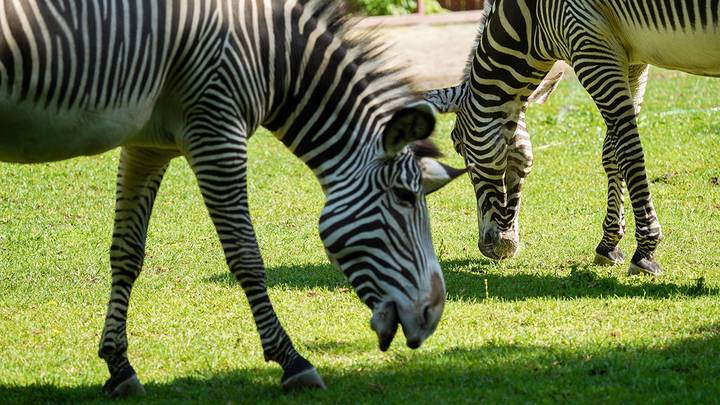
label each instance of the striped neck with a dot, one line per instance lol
(332, 94)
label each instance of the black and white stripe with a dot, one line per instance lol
(195, 79)
(609, 44)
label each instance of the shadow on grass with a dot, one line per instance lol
(215, 387)
(574, 281)
(683, 371)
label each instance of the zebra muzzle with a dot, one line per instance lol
(498, 246)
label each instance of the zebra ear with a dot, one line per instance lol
(407, 125)
(436, 175)
(546, 86)
(446, 100)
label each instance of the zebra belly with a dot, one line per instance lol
(32, 135)
(695, 52)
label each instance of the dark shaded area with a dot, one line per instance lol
(572, 281)
(685, 371)
(306, 276)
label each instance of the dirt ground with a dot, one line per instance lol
(435, 54)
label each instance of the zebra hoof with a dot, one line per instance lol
(307, 379)
(128, 388)
(300, 375)
(605, 257)
(124, 384)
(645, 266)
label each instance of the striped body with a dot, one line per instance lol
(76, 78)
(681, 35)
(164, 78)
(609, 44)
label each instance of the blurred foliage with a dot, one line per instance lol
(395, 7)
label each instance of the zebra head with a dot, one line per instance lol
(492, 138)
(375, 228)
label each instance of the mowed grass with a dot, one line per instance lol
(546, 326)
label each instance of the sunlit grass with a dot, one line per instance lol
(546, 326)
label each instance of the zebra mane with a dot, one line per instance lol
(385, 76)
(487, 9)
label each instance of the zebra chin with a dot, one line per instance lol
(385, 322)
(419, 318)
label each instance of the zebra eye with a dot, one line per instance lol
(405, 196)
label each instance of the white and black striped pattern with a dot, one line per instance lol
(610, 44)
(195, 79)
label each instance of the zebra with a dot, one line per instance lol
(610, 45)
(164, 79)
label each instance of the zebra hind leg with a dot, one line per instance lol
(648, 232)
(224, 189)
(608, 84)
(139, 177)
(607, 253)
(643, 260)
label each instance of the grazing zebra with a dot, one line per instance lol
(610, 44)
(164, 79)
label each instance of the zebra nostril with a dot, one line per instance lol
(413, 343)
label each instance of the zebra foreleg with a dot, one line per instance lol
(139, 177)
(223, 183)
(520, 159)
(647, 226)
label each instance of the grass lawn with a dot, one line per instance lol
(546, 326)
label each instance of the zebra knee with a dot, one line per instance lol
(527, 160)
(520, 162)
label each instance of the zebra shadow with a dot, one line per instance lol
(493, 372)
(479, 279)
(473, 279)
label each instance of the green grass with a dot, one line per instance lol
(546, 326)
